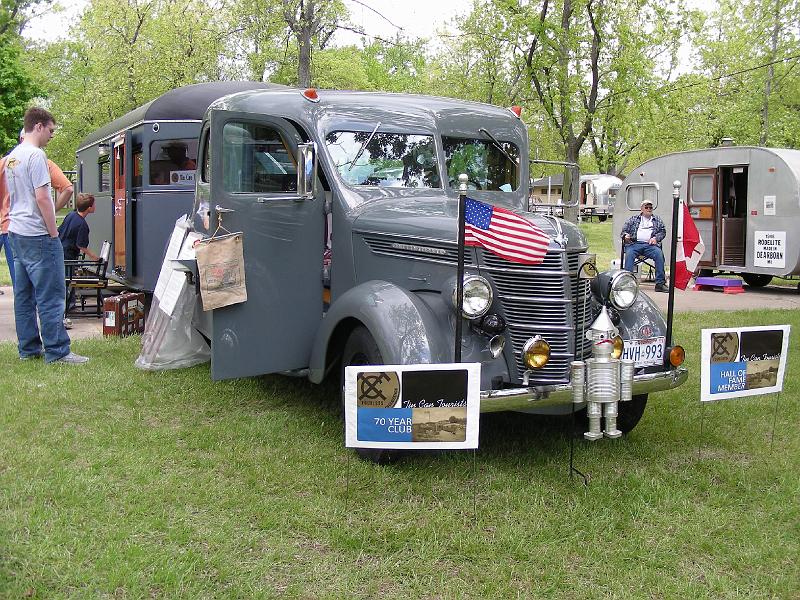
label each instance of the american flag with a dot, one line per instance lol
(504, 233)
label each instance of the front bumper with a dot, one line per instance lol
(560, 395)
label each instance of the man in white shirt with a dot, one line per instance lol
(38, 255)
(642, 235)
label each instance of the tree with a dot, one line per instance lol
(16, 92)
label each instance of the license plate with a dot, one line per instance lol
(645, 353)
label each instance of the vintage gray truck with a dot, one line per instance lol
(348, 204)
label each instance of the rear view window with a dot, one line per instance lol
(173, 162)
(255, 159)
(635, 194)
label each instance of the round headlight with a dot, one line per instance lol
(623, 290)
(536, 352)
(477, 297)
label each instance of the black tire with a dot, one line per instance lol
(361, 349)
(756, 279)
(628, 417)
(602, 218)
(706, 273)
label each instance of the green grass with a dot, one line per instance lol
(118, 483)
(600, 241)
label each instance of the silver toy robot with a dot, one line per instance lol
(602, 381)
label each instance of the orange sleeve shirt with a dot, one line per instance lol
(58, 180)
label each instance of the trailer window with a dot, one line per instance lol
(173, 162)
(637, 193)
(384, 159)
(256, 159)
(104, 173)
(137, 166)
(486, 166)
(701, 188)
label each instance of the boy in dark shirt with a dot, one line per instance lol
(74, 231)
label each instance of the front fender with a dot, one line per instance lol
(404, 328)
(642, 320)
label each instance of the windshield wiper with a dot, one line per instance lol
(363, 146)
(498, 145)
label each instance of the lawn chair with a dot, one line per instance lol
(82, 274)
(639, 262)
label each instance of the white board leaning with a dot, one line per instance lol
(743, 361)
(415, 407)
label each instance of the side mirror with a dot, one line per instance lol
(306, 169)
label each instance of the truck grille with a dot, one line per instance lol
(545, 299)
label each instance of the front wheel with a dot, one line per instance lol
(361, 349)
(756, 279)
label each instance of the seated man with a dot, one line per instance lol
(643, 234)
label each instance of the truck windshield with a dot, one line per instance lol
(387, 159)
(487, 168)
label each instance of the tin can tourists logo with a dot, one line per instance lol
(378, 390)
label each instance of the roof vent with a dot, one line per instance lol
(727, 142)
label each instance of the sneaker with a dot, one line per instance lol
(72, 359)
(67, 323)
(660, 287)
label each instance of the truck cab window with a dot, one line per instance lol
(487, 168)
(385, 159)
(173, 162)
(255, 159)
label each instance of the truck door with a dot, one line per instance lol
(702, 202)
(253, 190)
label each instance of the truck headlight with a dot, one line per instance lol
(477, 297)
(618, 288)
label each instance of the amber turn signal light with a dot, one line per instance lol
(676, 356)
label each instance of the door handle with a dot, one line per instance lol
(222, 209)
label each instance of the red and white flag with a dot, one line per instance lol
(503, 232)
(689, 250)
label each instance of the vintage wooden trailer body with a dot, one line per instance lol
(745, 201)
(140, 169)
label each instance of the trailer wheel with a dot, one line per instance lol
(628, 417)
(361, 349)
(756, 279)
(602, 218)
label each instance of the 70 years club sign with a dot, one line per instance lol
(412, 406)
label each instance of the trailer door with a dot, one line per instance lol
(702, 202)
(253, 190)
(118, 165)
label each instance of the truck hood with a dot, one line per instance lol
(436, 218)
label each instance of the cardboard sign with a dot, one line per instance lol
(412, 406)
(743, 361)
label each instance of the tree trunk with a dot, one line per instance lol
(776, 28)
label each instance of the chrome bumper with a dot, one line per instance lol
(552, 395)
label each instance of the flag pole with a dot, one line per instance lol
(676, 203)
(462, 201)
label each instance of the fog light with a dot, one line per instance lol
(496, 345)
(536, 352)
(676, 356)
(619, 346)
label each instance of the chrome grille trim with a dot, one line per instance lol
(542, 299)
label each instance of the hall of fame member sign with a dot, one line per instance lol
(743, 361)
(414, 407)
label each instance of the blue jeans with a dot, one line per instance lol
(39, 288)
(5, 243)
(652, 252)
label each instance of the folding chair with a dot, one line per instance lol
(638, 262)
(82, 274)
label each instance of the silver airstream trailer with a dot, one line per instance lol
(598, 194)
(744, 200)
(347, 203)
(140, 169)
